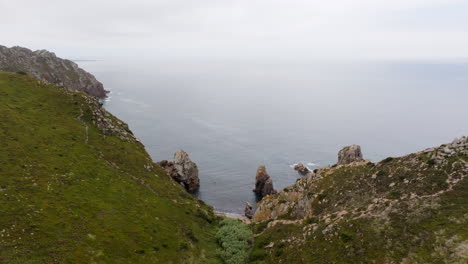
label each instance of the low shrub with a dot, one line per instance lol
(235, 240)
(257, 254)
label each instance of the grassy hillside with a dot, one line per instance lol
(77, 187)
(412, 209)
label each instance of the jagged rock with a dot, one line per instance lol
(263, 182)
(299, 167)
(248, 212)
(47, 67)
(350, 154)
(187, 170)
(182, 170)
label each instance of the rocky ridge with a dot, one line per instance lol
(366, 211)
(46, 66)
(104, 121)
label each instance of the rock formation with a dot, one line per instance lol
(349, 154)
(263, 182)
(45, 66)
(182, 170)
(438, 155)
(248, 211)
(299, 167)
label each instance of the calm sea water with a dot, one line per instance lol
(232, 116)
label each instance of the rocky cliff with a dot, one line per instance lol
(411, 209)
(45, 66)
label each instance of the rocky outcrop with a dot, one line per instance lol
(248, 211)
(45, 66)
(299, 167)
(363, 183)
(456, 147)
(263, 182)
(183, 170)
(103, 120)
(418, 200)
(350, 154)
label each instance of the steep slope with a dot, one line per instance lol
(412, 209)
(45, 66)
(77, 187)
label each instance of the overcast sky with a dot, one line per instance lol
(391, 29)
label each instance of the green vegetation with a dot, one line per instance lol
(386, 160)
(70, 194)
(235, 239)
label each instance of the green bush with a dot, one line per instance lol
(386, 160)
(235, 239)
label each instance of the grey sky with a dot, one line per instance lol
(393, 29)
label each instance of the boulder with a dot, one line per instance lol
(248, 212)
(350, 154)
(263, 182)
(299, 167)
(182, 170)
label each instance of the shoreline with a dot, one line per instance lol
(240, 217)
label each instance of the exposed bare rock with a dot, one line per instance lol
(45, 66)
(350, 154)
(249, 212)
(263, 182)
(299, 167)
(106, 122)
(182, 170)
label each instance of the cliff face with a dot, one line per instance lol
(77, 187)
(411, 209)
(45, 66)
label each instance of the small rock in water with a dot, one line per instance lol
(299, 167)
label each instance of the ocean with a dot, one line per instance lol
(233, 115)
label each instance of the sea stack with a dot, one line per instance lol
(248, 211)
(349, 154)
(263, 182)
(183, 170)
